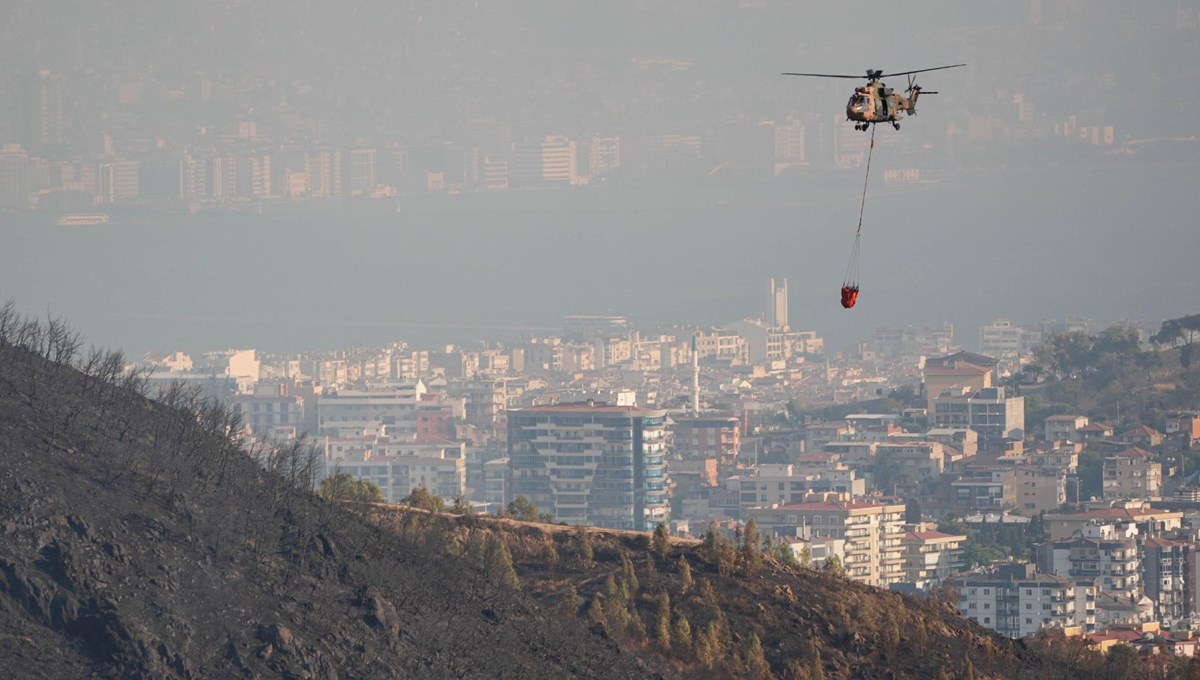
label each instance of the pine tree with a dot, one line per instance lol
(570, 601)
(583, 541)
(660, 543)
(681, 634)
(686, 583)
(500, 564)
(629, 574)
(662, 621)
(595, 611)
(833, 566)
(751, 550)
(651, 571)
(757, 667)
(703, 650)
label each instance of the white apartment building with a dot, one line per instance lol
(353, 412)
(1016, 601)
(1105, 553)
(395, 474)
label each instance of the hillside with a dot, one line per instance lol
(137, 540)
(1110, 377)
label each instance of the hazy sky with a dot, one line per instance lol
(1029, 229)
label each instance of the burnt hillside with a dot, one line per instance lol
(695, 611)
(137, 540)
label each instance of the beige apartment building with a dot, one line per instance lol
(1132, 473)
(1039, 489)
(930, 556)
(874, 553)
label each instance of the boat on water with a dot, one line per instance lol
(81, 220)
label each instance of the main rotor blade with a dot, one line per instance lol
(821, 75)
(921, 70)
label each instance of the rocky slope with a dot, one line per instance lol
(137, 541)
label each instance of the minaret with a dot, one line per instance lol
(695, 377)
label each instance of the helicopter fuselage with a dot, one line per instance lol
(877, 103)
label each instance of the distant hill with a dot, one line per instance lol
(1110, 377)
(138, 540)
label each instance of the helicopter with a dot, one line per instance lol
(875, 102)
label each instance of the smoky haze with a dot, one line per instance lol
(1054, 175)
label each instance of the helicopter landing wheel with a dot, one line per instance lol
(896, 125)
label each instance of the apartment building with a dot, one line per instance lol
(370, 459)
(1150, 521)
(1169, 570)
(777, 484)
(1039, 489)
(268, 406)
(706, 436)
(997, 417)
(591, 463)
(1063, 427)
(872, 533)
(1106, 554)
(1014, 600)
(1132, 473)
(930, 556)
(350, 412)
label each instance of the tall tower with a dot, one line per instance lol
(777, 305)
(43, 112)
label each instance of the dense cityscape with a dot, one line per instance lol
(952, 477)
(531, 266)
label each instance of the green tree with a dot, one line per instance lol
(660, 543)
(345, 487)
(500, 563)
(833, 566)
(757, 667)
(784, 553)
(523, 509)
(1091, 474)
(462, 506)
(751, 550)
(681, 634)
(421, 498)
(595, 611)
(662, 621)
(912, 510)
(583, 547)
(717, 551)
(686, 583)
(570, 601)
(629, 575)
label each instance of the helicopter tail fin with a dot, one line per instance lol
(916, 92)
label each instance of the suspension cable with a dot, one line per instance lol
(852, 268)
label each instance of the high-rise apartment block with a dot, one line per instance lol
(589, 463)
